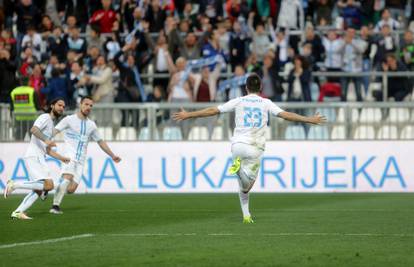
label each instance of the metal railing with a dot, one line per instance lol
(152, 122)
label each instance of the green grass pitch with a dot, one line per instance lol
(206, 230)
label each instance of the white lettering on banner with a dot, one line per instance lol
(202, 167)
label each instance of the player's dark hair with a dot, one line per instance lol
(254, 83)
(53, 102)
(86, 97)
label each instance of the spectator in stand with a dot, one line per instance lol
(75, 43)
(27, 62)
(352, 51)
(212, 47)
(386, 19)
(189, 14)
(236, 91)
(95, 38)
(51, 9)
(27, 15)
(71, 22)
(261, 41)
(351, 13)
(8, 79)
(9, 42)
(318, 49)
(333, 54)
(77, 9)
(130, 88)
(396, 8)
(205, 90)
(212, 8)
(91, 58)
(385, 45)
(291, 15)
(398, 87)
(367, 36)
(76, 89)
(56, 87)
(252, 65)
(56, 44)
(272, 87)
(37, 81)
(324, 12)
(53, 64)
(407, 50)
(179, 87)
(34, 40)
(104, 17)
(132, 15)
(156, 16)
(161, 58)
(224, 37)
(280, 46)
(237, 46)
(102, 78)
(46, 28)
(299, 80)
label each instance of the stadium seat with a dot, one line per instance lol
(370, 115)
(198, 133)
(295, 132)
(144, 134)
(364, 132)
(318, 133)
(407, 132)
(388, 132)
(218, 134)
(338, 133)
(106, 133)
(126, 134)
(172, 134)
(341, 115)
(399, 115)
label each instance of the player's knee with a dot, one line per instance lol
(48, 185)
(72, 188)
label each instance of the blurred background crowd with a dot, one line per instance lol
(139, 51)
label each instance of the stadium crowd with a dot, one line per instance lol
(104, 48)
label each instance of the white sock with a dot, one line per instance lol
(60, 192)
(30, 185)
(27, 202)
(244, 203)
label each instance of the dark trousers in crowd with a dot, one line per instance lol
(345, 85)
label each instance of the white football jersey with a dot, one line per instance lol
(36, 147)
(251, 118)
(77, 133)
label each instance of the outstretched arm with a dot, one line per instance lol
(184, 115)
(290, 116)
(104, 146)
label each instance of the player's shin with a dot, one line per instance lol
(27, 202)
(60, 192)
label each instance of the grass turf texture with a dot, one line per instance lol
(206, 230)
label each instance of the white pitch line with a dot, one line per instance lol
(47, 241)
(265, 234)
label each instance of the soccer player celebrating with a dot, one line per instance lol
(78, 130)
(248, 140)
(40, 145)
